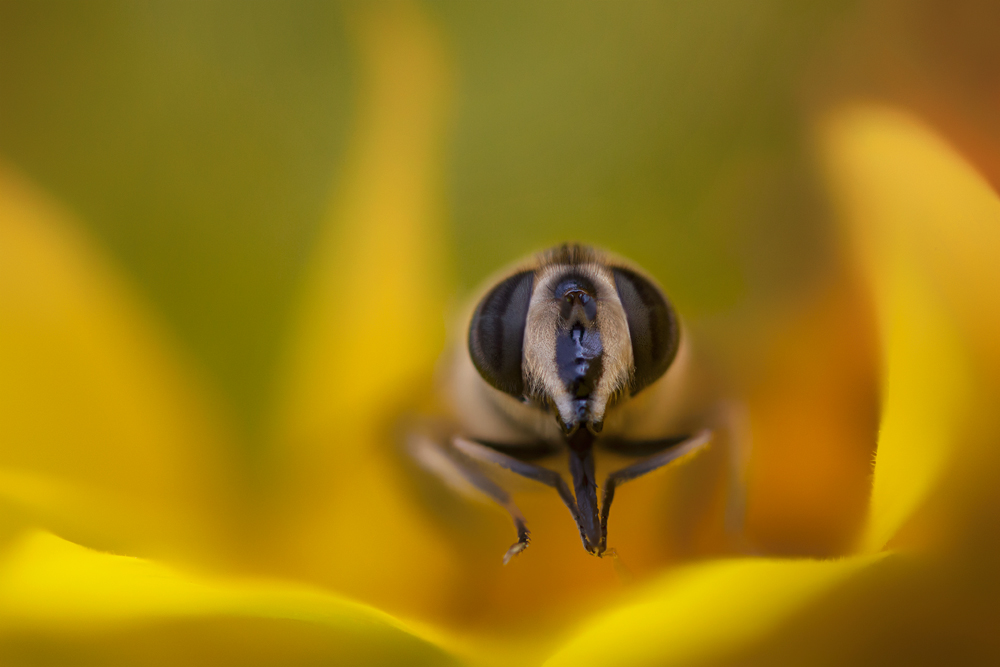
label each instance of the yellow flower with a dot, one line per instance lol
(130, 533)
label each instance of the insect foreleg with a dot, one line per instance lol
(531, 471)
(646, 465)
(456, 470)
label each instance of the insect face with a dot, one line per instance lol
(573, 335)
(552, 349)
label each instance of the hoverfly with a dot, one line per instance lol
(572, 352)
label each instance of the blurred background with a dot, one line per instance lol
(202, 146)
(199, 142)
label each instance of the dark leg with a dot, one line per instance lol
(531, 471)
(461, 474)
(640, 468)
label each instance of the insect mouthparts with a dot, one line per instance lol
(579, 353)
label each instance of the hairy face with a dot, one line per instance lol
(577, 352)
(572, 333)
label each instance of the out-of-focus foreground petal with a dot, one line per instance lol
(926, 228)
(64, 604)
(371, 326)
(103, 437)
(700, 613)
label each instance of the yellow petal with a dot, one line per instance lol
(703, 613)
(62, 602)
(371, 317)
(102, 435)
(902, 184)
(925, 226)
(371, 326)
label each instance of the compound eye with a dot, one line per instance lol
(652, 326)
(496, 334)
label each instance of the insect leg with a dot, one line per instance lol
(534, 472)
(640, 468)
(458, 472)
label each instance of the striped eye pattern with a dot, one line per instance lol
(652, 327)
(496, 334)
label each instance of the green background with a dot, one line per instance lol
(198, 142)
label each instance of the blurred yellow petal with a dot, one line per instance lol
(102, 437)
(62, 603)
(935, 206)
(702, 613)
(371, 325)
(926, 226)
(925, 395)
(372, 313)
